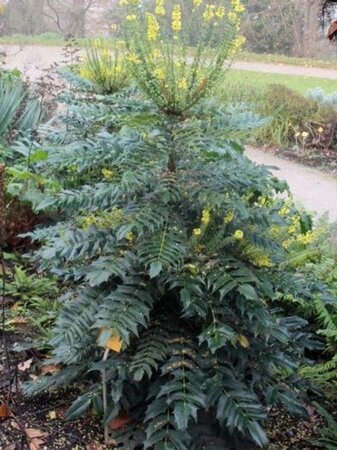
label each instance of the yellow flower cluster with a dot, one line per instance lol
(133, 58)
(237, 6)
(257, 256)
(182, 83)
(229, 217)
(206, 217)
(239, 235)
(220, 12)
(108, 174)
(197, 232)
(197, 3)
(209, 13)
(176, 18)
(159, 73)
(295, 225)
(102, 220)
(160, 9)
(306, 238)
(152, 27)
(236, 45)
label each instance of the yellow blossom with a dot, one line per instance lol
(209, 13)
(284, 211)
(229, 218)
(159, 73)
(197, 231)
(182, 84)
(197, 2)
(305, 134)
(239, 235)
(233, 18)
(160, 10)
(320, 130)
(237, 6)
(131, 17)
(133, 58)
(306, 238)
(220, 12)
(176, 18)
(206, 217)
(152, 27)
(107, 173)
(156, 53)
(130, 236)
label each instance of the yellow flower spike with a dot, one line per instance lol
(229, 218)
(176, 18)
(239, 235)
(160, 9)
(159, 73)
(152, 27)
(206, 217)
(182, 84)
(220, 12)
(197, 232)
(209, 13)
(133, 58)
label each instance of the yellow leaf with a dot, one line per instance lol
(243, 341)
(115, 343)
(52, 415)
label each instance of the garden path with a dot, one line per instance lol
(312, 188)
(31, 59)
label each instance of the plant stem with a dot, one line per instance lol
(105, 395)
(3, 270)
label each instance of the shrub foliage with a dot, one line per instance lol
(165, 240)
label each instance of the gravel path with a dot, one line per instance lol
(31, 58)
(313, 189)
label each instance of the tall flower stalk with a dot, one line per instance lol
(170, 65)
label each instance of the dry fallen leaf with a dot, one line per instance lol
(52, 368)
(18, 321)
(23, 366)
(120, 422)
(35, 444)
(4, 411)
(15, 425)
(33, 433)
(52, 415)
(10, 447)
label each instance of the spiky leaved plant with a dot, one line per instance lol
(166, 242)
(104, 67)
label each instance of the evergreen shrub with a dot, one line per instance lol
(168, 241)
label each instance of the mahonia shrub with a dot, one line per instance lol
(171, 244)
(105, 68)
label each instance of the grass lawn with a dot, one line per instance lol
(287, 60)
(258, 81)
